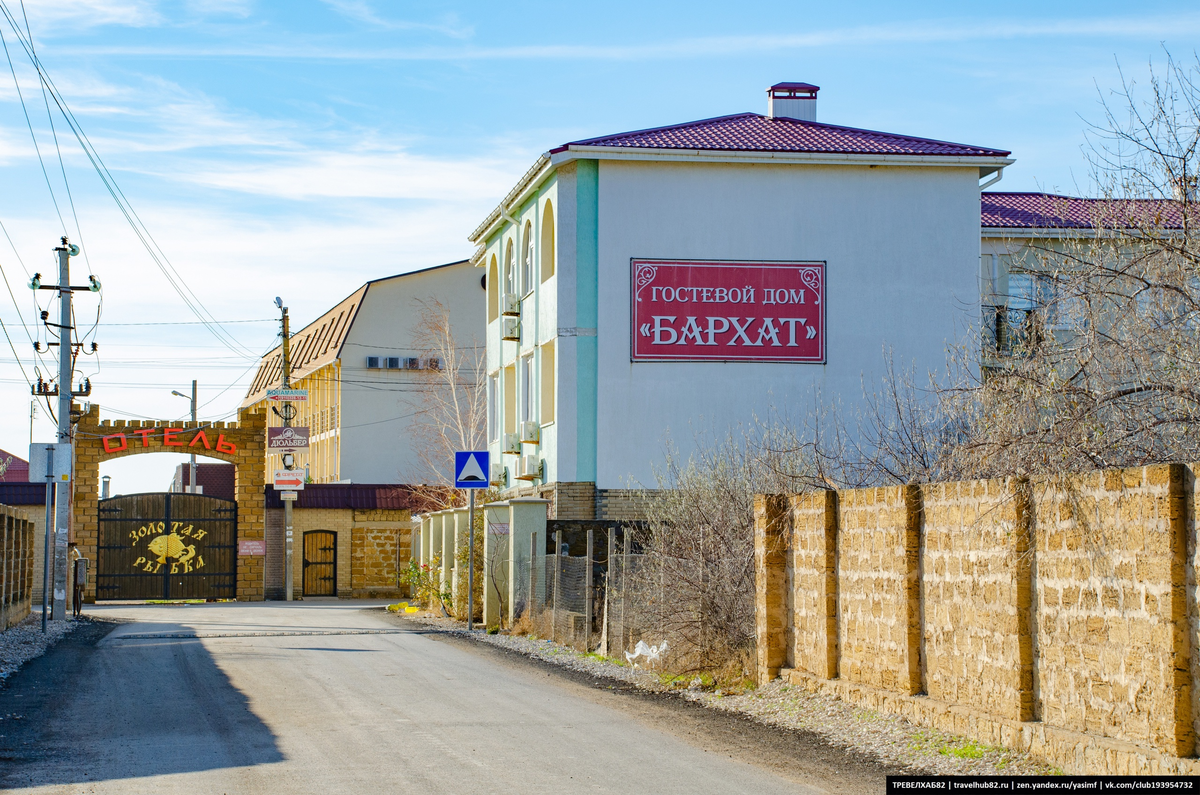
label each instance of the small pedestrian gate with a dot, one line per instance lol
(320, 563)
(167, 546)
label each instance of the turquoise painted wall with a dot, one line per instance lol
(587, 236)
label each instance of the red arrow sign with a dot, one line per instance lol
(289, 479)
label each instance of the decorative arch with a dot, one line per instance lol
(241, 443)
(493, 290)
(547, 241)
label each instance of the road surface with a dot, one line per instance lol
(330, 697)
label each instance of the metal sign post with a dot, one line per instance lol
(54, 461)
(470, 472)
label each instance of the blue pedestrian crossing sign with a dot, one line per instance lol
(470, 469)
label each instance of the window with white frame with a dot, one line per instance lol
(510, 287)
(527, 260)
(493, 407)
(526, 389)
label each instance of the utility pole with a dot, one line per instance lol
(65, 392)
(192, 460)
(286, 415)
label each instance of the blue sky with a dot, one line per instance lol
(299, 148)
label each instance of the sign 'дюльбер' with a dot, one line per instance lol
(697, 310)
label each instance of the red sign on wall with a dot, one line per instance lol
(728, 311)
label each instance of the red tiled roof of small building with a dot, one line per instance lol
(360, 496)
(1051, 211)
(17, 470)
(752, 132)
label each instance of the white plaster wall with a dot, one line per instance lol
(902, 249)
(381, 452)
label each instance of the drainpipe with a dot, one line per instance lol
(999, 176)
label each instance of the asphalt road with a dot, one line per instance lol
(260, 703)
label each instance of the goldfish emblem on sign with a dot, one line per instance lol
(170, 545)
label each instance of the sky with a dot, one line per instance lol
(300, 148)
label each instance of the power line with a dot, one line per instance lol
(140, 230)
(29, 123)
(62, 166)
(194, 322)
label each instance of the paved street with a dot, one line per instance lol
(258, 703)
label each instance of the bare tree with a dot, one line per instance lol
(1096, 365)
(452, 405)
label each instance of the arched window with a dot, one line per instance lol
(493, 291)
(510, 287)
(547, 242)
(527, 259)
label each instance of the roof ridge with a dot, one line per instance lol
(662, 128)
(862, 132)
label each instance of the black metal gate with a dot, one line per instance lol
(167, 546)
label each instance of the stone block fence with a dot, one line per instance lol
(1056, 616)
(16, 565)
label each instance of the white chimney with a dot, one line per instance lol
(792, 101)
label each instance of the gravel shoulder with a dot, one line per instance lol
(25, 641)
(894, 745)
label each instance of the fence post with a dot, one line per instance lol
(557, 578)
(5, 601)
(771, 537)
(531, 600)
(589, 594)
(608, 586)
(627, 546)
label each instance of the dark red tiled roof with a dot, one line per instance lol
(22, 493)
(362, 496)
(1050, 211)
(17, 470)
(752, 132)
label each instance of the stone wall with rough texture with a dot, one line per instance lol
(971, 573)
(1057, 616)
(1107, 640)
(16, 564)
(814, 636)
(872, 588)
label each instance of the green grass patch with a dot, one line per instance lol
(967, 750)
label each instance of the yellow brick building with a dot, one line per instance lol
(364, 376)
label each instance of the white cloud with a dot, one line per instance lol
(920, 32)
(394, 174)
(47, 14)
(362, 11)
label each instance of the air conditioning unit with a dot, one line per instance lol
(433, 363)
(529, 467)
(499, 475)
(512, 305)
(510, 329)
(393, 363)
(512, 444)
(530, 432)
(373, 363)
